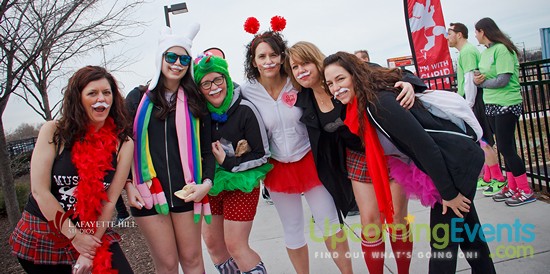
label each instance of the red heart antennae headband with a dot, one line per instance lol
(252, 25)
(278, 23)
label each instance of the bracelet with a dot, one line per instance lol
(128, 181)
(207, 181)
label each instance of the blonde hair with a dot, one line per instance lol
(306, 52)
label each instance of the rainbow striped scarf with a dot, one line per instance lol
(188, 134)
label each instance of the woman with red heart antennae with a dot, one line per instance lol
(271, 91)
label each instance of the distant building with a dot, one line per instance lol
(545, 42)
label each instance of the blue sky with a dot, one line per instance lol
(331, 25)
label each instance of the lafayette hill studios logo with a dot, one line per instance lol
(56, 225)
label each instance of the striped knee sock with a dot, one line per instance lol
(402, 246)
(228, 267)
(374, 253)
(258, 269)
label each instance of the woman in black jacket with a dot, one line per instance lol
(323, 118)
(167, 115)
(448, 156)
(241, 149)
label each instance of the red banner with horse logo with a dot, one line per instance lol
(427, 37)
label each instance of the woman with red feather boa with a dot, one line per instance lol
(78, 169)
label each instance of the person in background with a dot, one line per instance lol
(467, 65)
(170, 153)
(499, 78)
(453, 161)
(78, 169)
(365, 57)
(241, 150)
(323, 118)
(271, 91)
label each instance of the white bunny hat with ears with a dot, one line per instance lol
(168, 40)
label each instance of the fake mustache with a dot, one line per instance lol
(177, 67)
(303, 74)
(340, 91)
(272, 65)
(101, 104)
(216, 91)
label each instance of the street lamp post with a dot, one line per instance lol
(523, 50)
(175, 9)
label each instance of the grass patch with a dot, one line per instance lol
(22, 190)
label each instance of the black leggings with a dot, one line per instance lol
(475, 249)
(504, 127)
(119, 263)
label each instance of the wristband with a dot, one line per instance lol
(207, 181)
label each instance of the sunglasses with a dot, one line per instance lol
(171, 58)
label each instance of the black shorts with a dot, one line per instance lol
(149, 212)
(479, 112)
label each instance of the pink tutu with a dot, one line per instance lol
(416, 183)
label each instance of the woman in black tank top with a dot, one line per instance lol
(78, 169)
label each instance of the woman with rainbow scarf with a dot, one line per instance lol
(241, 149)
(172, 133)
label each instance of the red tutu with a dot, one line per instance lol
(296, 177)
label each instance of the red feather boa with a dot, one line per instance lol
(376, 161)
(92, 157)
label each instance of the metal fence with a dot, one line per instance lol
(533, 127)
(20, 146)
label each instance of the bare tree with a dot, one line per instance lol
(37, 38)
(23, 131)
(83, 37)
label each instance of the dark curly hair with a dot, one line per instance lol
(275, 41)
(367, 81)
(74, 120)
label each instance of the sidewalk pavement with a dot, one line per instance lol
(267, 239)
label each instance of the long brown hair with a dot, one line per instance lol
(494, 34)
(366, 80)
(195, 100)
(74, 120)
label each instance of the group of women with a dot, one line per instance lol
(305, 124)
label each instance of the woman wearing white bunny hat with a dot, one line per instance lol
(169, 114)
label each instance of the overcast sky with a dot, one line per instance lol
(378, 26)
